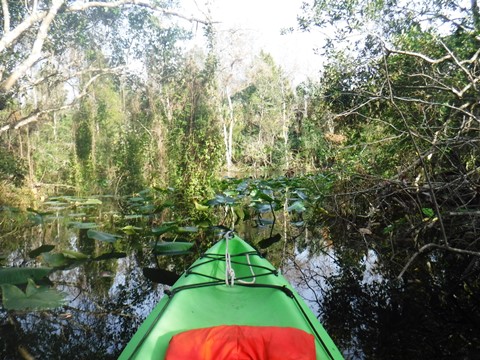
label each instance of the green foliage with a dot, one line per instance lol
(12, 168)
(265, 110)
(130, 161)
(83, 140)
(193, 143)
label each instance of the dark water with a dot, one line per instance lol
(369, 313)
(105, 300)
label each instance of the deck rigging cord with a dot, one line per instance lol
(230, 276)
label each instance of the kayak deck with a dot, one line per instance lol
(231, 284)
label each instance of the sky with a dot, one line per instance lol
(263, 21)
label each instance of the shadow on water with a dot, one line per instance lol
(101, 247)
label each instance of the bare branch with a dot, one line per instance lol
(414, 54)
(473, 59)
(432, 246)
(458, 62)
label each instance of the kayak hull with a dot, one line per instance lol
(201, 298)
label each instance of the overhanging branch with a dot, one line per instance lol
(431, 246)
(46, 17)
(37, 114)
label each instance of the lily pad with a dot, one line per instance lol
(42, 249)
(75, 255)
(112, 255)
(172, 248)
(82, 225)
(102, 236)
(131, 230)
(34, 298)
(54, 260)
(20, 275)
(265, 243)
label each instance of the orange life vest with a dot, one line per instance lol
(242, 343)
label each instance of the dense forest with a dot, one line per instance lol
(108, 97)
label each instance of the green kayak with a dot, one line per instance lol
(231, 292)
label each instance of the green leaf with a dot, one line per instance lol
(54, 260)
(35, 297)
(20, 275)
(42, 249)
(131, 230)
(112, 255)
(221, 200)
(187, 229)
(297, 207)
(92, 202)
(388, 229)
(262, 208)
(300, 194)
(428, 212)
(102, 236)
(200, 207)
(172, 248)
(163, 229)
(73, 215)
(69, 254)
(263, 196)
(147, 209)
(133, 216)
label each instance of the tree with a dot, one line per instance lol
(266, 110)
(233, 62)
(415, 76)
(37, 38)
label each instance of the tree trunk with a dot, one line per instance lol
(228, 132)
(476, 15)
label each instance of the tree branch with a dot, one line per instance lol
(36, 114)
(144, 3)
(47, 16)
(469, 75)
(9, 38)
(6, 17)
(431, 246)
(36, 52)
(414, 54)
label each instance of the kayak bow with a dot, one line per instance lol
(231, 289)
